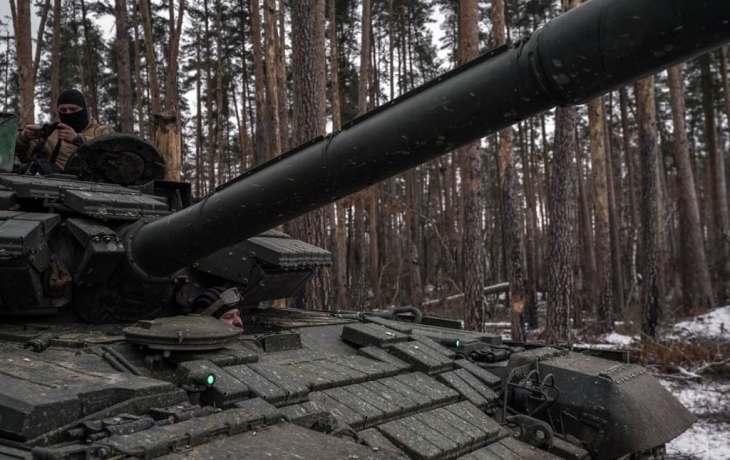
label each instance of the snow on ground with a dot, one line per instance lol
(709, 437)
(712, 325)
(619, 339)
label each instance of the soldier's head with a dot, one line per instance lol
(72, 111)
(220, 303)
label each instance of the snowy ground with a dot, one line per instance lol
(713, 325)
(709, 437)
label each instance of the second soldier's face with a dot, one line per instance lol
(232, 317)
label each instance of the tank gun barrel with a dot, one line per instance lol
(597, 47)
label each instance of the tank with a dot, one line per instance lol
(102, 358)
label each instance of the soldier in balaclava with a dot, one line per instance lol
(74, 128)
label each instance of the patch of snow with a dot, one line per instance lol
(619, 339)
(596, 346)
(611, 341)
(702, 441)
(708, 437)
(712, 325)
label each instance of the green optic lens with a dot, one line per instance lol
(210, 380)
(457, 343)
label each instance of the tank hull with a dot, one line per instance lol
(375, 389)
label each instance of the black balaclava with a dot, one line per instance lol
(77, 120)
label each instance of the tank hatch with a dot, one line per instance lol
(123, 159)
(183, 333)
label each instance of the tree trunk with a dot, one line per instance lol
(561, 230)
(613, 174)
(364, 75)
(90, 68)
(599, 172)
(373, 206)
(370, 198)
(358, 270)
(545, 156)
(415, 286)
(172, 97)
(511, 227)
(124, 98)
(283, 107)
(241, 118)
(39, 48)
(630, 175)
(167, 138)
(55, 58)
(209, 93)
(723, 76)
(309, 84)
(646, 118)
(138, 75)
(199, 162)
(272, 124)
(357, 262)
(259, 84)
(340, 236)
(219, 115)
(720, 226)
(470, 159)
(154, 87)
(23, 55)
(586, 284)
(696, 284)
(531, 235)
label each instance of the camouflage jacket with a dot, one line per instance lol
(24, 146)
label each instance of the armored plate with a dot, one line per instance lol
(54, 188)
(115, 206)
(123, 159)
(192, 332)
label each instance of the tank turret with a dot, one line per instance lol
(110, 242)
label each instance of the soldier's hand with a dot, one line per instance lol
(65, 132)
(31, 131)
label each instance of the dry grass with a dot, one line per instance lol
(705, 357)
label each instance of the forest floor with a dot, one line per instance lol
(703, 386)
(692, 360)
